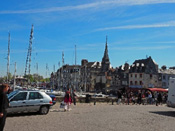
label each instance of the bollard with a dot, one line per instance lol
(107, 100)
(95, 102)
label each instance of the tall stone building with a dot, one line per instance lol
(104, 78)
(68, 76)
(124, 75)
(143, 74)
(89, 72)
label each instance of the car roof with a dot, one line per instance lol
(29, 90)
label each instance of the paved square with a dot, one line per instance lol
(101, 117)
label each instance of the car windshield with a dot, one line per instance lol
(12, 94)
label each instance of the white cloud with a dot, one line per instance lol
(101, 4)
(157, 25)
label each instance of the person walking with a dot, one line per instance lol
(159, 98)
(128, 97)
(4, 103)
(74, 97)
(150, 98)
(156, 98)
(139, 100)
(67, 100)
(119, 97)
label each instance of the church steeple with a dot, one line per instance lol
(105, 60)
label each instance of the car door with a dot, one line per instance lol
(18, 102)
(34, 102)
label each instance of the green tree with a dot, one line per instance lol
(29, 77)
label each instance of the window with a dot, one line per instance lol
(151, 76)
(131, 75)
(124, 75)
(20, 96)
(163, 77)
(135, 82)
(164, 83)
(130, 82)
(35, 95)
(135, 75)
(140, 75)
(140, 82)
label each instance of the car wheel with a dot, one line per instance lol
(44, 110)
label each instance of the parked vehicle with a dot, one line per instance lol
(53, 99)
(100, 95)
(171, 93)
(29, 101)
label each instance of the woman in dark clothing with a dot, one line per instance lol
(159, 98)
(74, 97)
(4, 103)
(139, 99)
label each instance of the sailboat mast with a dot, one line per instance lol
(75, 83)
(75, 56)
(8, 58)
(14, 83)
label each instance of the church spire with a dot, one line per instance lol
(105, 60)
(106, 57)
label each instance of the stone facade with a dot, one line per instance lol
(89, 72)
(68, 76)
(124, 75)
(143, 74)
(165, 74)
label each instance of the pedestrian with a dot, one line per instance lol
(128, 97)
(139, 99)
(149, 97)
(155, 97)
(67, 100)
(74, 97)
(159, 98)
(4, 103)
(166, 97)
(133, 98)
(119, 97)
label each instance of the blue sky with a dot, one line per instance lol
(135, 29)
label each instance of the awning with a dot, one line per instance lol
(158, 89)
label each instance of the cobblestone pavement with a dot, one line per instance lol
(100, 117)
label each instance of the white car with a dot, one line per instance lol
(100, 95)
(29, 101)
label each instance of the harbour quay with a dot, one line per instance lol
(99, 117)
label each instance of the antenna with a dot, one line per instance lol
(29, 53)
(63, 58)
(8, 58)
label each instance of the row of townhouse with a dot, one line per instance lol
(145, 73)
(101, 76)
(88, 76)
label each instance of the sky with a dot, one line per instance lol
(135, 29)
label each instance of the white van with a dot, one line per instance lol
(171, 93)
